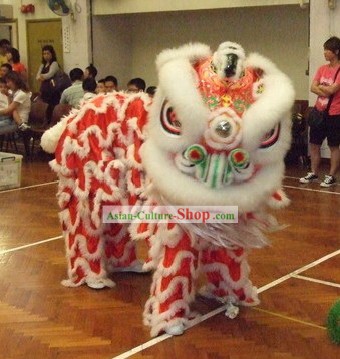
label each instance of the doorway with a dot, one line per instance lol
(39, 34)
(9, 31)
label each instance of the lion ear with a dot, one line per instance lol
(177, 87)
(278, 200)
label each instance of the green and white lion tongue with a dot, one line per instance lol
(219, 169)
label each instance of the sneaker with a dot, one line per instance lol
(24, 126)
(311, 176)
(328, 181)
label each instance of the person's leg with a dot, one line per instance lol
(22, 126)
(84, 241)
(333, 139)
(7, 125)
(172, 290)
(120, 249)
(335, 160)
(316, 137)
(227, 273)
(315, 157)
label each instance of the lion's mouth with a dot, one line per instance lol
(216, 169)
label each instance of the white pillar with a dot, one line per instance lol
(77, 36)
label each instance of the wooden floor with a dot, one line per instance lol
(298, 278)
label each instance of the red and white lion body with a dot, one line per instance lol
(97, 161)
(217, 133)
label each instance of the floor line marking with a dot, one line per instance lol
(143, 346)
(298, 271)
(319, 281)
(224, 307)
(28, 187)
(288, 318)
(29, 245)
(291, 177)
(297, 178)
(311, 190)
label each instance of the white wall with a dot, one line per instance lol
(41, 12)
(112, 47)
(80, 44)
(78, 26)
(133, 41)
(105, 7)
(126, 45)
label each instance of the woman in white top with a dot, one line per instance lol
(20, 106)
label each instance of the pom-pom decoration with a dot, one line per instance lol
(196, 154)
(333, 323)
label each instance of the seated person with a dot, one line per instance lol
(7, 124)
(89, 87)
(90, 71)
(73, 94)
(4, 45)
(151, 90)
(20, 104)
(13, 58)
(136, 85)
(101, 87)
(5, 69)
(111, 84)
(4, 101)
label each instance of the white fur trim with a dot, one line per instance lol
(278, 200)
(50, 138)
(178, 84)
(219, 58)
(168, 180)
(272, 107)
(192, 52)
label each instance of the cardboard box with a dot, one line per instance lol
(10, 170)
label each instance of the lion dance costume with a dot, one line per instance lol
(218, 131)
(97, 161)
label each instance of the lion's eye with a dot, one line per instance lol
(169, 120)
(271, 137)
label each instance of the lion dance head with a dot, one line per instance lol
(219, 127)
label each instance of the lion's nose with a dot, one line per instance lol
(224, 133)
(224, 128)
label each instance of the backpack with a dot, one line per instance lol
(60, 81)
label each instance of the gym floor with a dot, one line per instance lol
(298, 277)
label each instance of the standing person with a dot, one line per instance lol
(326, 84)
(13, 58)
(4, 45)
(90, 71)
(48, 68)
(20, 106)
